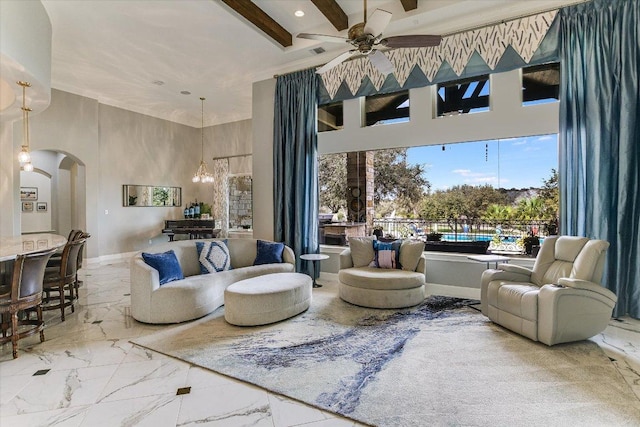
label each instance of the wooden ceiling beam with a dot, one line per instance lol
(260, 19)
(409, 5)
(333, 12)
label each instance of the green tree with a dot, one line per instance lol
(530, 209)
(550, 196)
(332, 181)
(497, 212)
(461, 201)
(396, 180)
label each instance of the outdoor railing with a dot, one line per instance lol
(504, 235)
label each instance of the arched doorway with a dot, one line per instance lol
(60, 181)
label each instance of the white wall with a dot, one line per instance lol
(262, 122)
(507, 118)
(9, 183)
(37, 221)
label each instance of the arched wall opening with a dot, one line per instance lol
(60, 202)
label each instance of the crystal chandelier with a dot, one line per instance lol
(202, 174)
(24, 157)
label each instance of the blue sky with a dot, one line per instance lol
(511, 163)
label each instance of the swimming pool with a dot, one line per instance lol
(466, 237)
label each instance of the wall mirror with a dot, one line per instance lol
(150, 195)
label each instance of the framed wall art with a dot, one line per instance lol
(27, 206)
(41, 206)
(28, 193)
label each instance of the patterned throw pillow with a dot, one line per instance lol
(213, 256)
(387, 255)
(167, 265)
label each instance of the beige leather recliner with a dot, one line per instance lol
(560, 300)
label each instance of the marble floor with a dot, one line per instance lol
(87, 373)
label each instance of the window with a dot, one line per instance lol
(463, 96)
(387, 109)
(541, 84)
(330, 117)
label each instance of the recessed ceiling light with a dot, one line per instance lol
(299, 13)
(185, 92)
(158, 82)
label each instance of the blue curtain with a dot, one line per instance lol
(295, 163)
(600, 137)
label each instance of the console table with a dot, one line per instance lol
(489, 259)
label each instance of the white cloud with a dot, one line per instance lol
(463, 172)
(521, 142)
(545, 138)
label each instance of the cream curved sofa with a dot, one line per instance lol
(381, 288)
(197, 294)
(560, 300)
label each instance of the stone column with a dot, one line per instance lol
(360, 188)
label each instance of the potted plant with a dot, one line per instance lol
(529, 242)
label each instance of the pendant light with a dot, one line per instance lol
(24, 157)
(202, 174)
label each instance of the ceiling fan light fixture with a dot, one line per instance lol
(366, 38)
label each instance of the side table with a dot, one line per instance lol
(489, 259)
(314, 258)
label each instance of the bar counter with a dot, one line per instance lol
(11, 247)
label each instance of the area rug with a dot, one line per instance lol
(441, 363)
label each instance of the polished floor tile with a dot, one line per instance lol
(87, 373)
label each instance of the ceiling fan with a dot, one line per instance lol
(366, 38)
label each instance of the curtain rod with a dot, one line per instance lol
(510, 19)
(231, 157)
(275, 76)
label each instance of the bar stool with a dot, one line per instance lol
(62, 279)
(24, 293)
(79, 282)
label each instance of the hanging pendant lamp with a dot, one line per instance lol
(24, 157)
(202, 174)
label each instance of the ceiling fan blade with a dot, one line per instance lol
(323, 38)
(381, 62)
(411, 41)
(335, 61)
(377, 22)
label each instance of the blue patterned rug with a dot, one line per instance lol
(441, 362)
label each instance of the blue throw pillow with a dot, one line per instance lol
(213, 256)
(386, 255)
(167, 265)
(269, 253)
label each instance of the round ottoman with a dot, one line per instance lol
(267, 299)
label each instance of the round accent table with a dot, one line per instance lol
(314, 258)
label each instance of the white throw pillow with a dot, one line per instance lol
(361, 250)
(410, 253)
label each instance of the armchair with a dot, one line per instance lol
(560, 300)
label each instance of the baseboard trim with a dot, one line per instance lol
(125, 256)
(452, 291)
